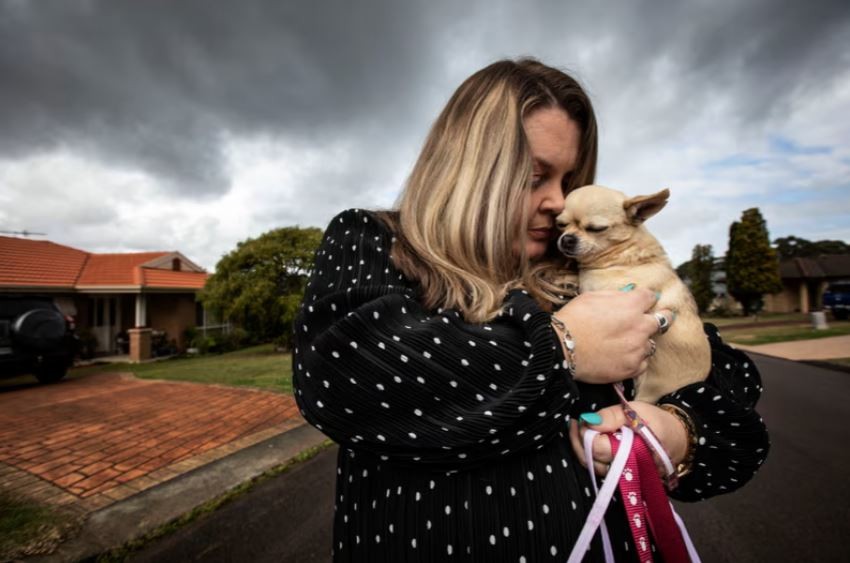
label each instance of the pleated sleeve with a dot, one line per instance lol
(732, 438)
(373, 370)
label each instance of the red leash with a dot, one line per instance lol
(647, 507)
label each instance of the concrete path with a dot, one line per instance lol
(817, 349)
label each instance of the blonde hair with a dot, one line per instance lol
(454, 225)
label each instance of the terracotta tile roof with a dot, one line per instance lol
(115, 269)
(154, 277)
(36, 263)
(39, 263)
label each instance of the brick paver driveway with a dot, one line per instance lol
(91, 441)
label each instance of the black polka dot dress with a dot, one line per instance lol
(453, 436)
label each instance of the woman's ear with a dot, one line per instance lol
(642, 207)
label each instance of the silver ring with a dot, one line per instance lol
(663, 323)
(652, 348)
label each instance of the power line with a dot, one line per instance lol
(24, 233)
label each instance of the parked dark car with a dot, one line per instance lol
(35, 337)
(836, 299)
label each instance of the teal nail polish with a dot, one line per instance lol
(591, 418)
(628, 287)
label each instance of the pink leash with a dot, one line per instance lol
(633, 470)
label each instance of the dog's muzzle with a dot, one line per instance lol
(567, 244)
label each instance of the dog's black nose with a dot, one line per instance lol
(567, 244)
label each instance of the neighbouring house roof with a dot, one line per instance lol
(825, 266)
(35, 264)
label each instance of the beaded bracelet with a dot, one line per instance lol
(684, 467)
(569, 344)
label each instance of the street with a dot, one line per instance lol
(796, 509)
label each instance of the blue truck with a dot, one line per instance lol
(836, 299)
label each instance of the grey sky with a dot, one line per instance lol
(191, 125)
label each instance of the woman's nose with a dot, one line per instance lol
(553, 199)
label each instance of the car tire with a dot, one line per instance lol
(39, 330)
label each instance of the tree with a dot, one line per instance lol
(795, 247)
(260, 284)
(699, 271)
(752, 267)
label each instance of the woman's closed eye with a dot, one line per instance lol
(537, 180)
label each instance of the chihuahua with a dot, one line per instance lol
(603, 232)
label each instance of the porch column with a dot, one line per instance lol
(141, 310)
(804, 297)
(140, 344)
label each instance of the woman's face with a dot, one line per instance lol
(553, 139)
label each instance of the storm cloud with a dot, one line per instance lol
(191, 125)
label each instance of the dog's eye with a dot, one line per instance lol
(595, 228)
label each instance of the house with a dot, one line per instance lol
(132, 293)
(804, 281)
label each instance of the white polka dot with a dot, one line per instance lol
(479, 396)
(449, 549)
(506, 531)
(448, 510)
(530, 476)
(492, 539)
(488, 489)
(397, 379)
(530, 525)
(413, 543)
(553, 550)
(545, 509)
(381, 438)
(379, 386)
(412, 435)
(417, 412)
(464, 362)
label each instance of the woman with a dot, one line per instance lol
(425, 348)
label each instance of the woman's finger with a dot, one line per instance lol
(654, 325)
(600, 445)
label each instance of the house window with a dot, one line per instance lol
(175, 264)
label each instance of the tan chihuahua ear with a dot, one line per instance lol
(642, 207)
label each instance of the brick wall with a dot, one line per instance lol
(172, 313)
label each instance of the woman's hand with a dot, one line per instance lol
(667, 428)
(611, 330)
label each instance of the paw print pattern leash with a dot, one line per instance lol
(645, 500)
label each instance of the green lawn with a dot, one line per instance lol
(258, 366)
(769, 335)
(763, 318)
